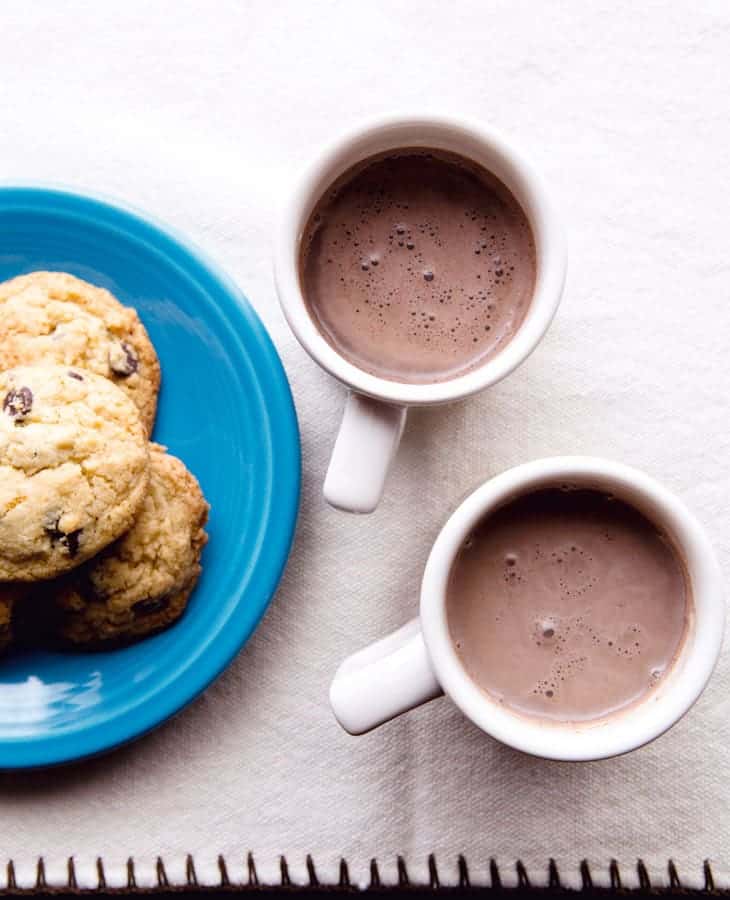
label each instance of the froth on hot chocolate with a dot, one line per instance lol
(418, 265)
(568, 604)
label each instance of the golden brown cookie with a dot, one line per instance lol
(142, 582)
(74, 468)
(55, 318)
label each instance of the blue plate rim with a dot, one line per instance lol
(43, 750)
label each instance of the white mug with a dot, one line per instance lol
(375, 411)
(419, 662)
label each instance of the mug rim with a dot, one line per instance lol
(638, 723)
(451, 134)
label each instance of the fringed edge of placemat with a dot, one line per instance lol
(344, 882)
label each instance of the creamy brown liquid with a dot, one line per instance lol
(567, 604)
(418, 266)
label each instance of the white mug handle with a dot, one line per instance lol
(366, 444)
(384, 680)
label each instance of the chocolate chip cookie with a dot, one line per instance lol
(142, 582)
(55, 318)
(74, 468)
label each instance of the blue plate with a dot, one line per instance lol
(226, 410)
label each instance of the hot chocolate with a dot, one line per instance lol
(567, 604)
(418, 265)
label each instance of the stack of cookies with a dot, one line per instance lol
(101, 531)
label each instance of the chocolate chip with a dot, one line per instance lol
(69, 540)
(75, 375)
(123, 359)
(18, 403)
(150, 606)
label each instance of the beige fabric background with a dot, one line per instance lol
(201, 112)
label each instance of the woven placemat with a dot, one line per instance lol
(554, 885)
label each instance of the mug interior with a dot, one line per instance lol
(478, 145)
(637, 723)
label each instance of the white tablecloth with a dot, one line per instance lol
(201, 113)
